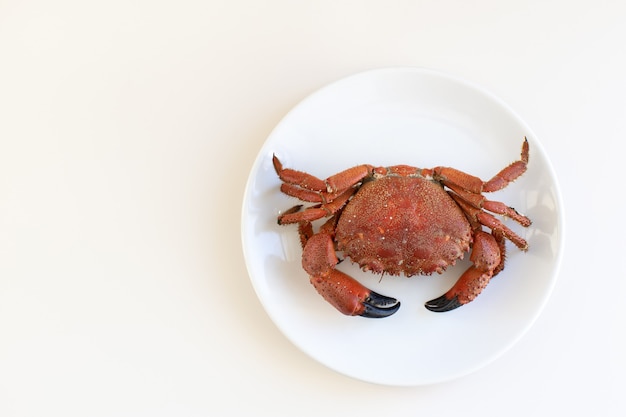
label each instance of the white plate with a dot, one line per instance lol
(422, 118)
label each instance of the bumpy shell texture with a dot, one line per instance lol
(406, 225)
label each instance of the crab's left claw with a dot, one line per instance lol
(487, 260)
(352, 298)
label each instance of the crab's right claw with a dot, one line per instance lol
(351, 298)
(486, 260)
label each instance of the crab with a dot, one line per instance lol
(400, 220)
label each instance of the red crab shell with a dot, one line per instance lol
(404, 225)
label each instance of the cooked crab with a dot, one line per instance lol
(400, 220)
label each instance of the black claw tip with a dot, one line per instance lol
(443, 304)
(373, 312)
(379, 300)
(379, 306)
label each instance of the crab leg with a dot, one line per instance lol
(348, 178)
(310, 214)
(487, 260)
(307, 195)
(299, 178)
(510, 173)
(477, 216)
(310, 188)
(456, 179)
(339, 289)
(480, 202)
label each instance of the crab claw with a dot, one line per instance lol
(377, 306)
(487, 260)
(341, 290)
(351, 298)
(443, 304)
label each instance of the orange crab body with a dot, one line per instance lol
(385, 229)
(400, 220)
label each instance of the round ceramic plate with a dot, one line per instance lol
(421, 118)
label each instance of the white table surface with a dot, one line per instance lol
(127, 131)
